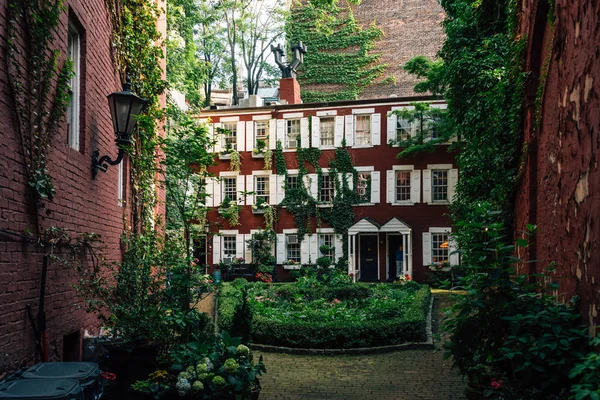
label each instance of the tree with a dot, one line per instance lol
(211, 38)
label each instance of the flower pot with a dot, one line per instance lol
(216, 275)
(474, 391)
(255, 392)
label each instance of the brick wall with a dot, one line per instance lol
(560, 187)
(80, 205)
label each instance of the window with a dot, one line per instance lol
(292, 182)
(363, 130)
(439, 185)
(229, 131)
(433, 125)
(74, 51)
(363, 187)
(292, 248)
(439, 247)
(261, 133)
(326, 239)
(402, 186)
(292, 133)
(402, 130)
(230, 188)
(327, 189)
(261, 189)
(229, 249)
(327, 127)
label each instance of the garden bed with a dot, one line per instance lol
(320, 317)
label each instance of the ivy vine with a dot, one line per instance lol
(339, 53)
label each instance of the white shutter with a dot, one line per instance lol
(338, 248)
(415, 186)
(316, 132)
(250, 188)
(350, 180)
(216, 192)
(239, 246)
(249, 135)
(272, 189)
(390, 186)
(280, 248)
(209, 189)
(304, 255)
(427, 186)
(454, 258)
(349, 131)
(240, 188)
(452, 181)
(279, 188)
(217, 137)
(314, 186)
(240, 136)
(216, 249)
(376, 129)
(304, 134)
(281, 131)
(392, 120)
(375, 187)
(338, 133)
(426, 248)
(314, 247)
(247, 251)
(272, 134)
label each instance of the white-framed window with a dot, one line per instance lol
(403, 186)
(292, 133)
(439, 185)
(292, 248)
(229, 135)
(403, 130)
(362, 130)
(327, 239)
(261, 134)
(326, 191)
(363, 187)
(229, 185)
(439, 247)
(292, 182)
(73, 111)
(229, 249)
(261, 189)
(327, 130)
(433, 127)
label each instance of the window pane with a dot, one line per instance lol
(292, 182)
(363, 187)
(403, 186)
(402, 130)
(230, 188)
(261, 188)
(261, 134)
(439, 247)
(292, 133)
(326, 239)
(326, 127)
(292, 249)
(326, 193)
(363, 129)
(230, 135)
(229, 247)
(439, 185)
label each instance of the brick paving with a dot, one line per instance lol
(410, 374)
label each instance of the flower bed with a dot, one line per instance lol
(317, 316)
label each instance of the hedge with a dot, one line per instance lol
(409, 327)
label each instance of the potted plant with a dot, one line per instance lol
(230, 211)
(260, 206)
(258, 151)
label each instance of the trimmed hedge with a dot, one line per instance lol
(408, 326)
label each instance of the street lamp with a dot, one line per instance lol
(124, 110)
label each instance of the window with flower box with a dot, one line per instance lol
(261, 135)
(230, 188)
(261, 189)
(229, 135)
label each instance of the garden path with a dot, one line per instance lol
(401, 375)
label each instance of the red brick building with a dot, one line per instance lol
(560, 186)
(406, 201)
(81, 204)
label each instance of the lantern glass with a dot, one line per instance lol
(124, 108)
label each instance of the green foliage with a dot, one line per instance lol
(314, 315)
(586, 375)
(260, 245)
(38, 86)
(339, 53)
(241, 325)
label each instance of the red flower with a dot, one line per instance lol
(496, 383)
(408, 278)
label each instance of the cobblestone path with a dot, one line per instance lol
(402, 375)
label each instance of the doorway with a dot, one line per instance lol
(394, 241)
(368, 257)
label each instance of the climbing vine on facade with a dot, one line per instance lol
(339, 51)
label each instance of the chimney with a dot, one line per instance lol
(289, 91)
(289, 88)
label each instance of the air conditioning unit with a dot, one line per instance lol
(292, 239)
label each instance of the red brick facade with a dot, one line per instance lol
(377, 157)
(81, 204)
(560, 187)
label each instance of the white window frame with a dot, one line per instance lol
(439, 251)
(288, 255)
(445, 200)
(368, 192)
(266, 192)
(224, 193)
(330, 189)
(289, 124)
(74, 109)
(232, 137)
(330, 120)
(323, 241)
(366, 132)
(396, 187)
(230, 252)
(264, 137)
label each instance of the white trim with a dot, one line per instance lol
(325, 230)
(261, 117)
(229, 119)
(364, 169)
(74, 105)
(229, 173)
(229, 232)
(407, 107)
(292, 115)
(328, 113)
(403, 167)
(261, 173)
(439, 166)
(439, 230)
(292, 172)
(363, 110)
(289, 231)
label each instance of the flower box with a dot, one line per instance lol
(225, 156)
(292, 266)
(258, 210)
(258, 155)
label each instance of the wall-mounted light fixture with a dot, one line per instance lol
(124, 110)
